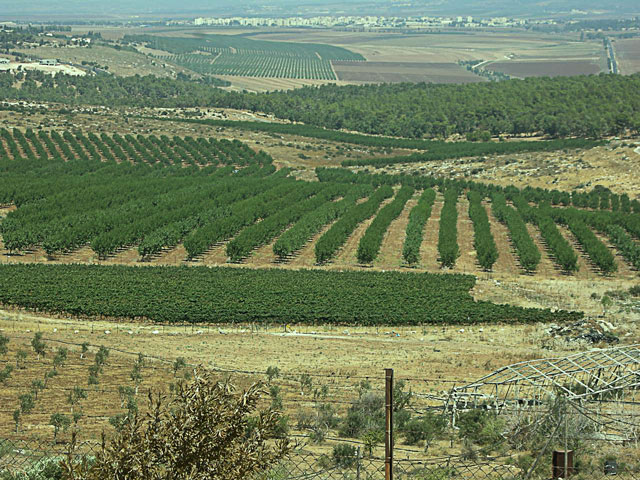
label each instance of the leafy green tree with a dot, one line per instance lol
(49, 375)
(178, 365)
(38, 345)
(21, 358)
(16, 418)
(60, 358)
(276, 398)
(345, 455)
(75, 395)
(480, 427)
(427, 428)
(85, 349)
(27, 402)
(59, 422)
(272, 372)
(205, 413)
(136, 375)
(36, 387)
(5, 373)
(76, 416)
(306, 382)
(371, 439)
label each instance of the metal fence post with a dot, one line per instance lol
(388, 440)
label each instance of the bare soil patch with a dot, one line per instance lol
(506, 262)
(394, 72)
(429, 246)
(467, 261)
(390, 255)
(544, 68)
(546, 267)
(347, 255)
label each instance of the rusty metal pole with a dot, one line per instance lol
(388, 439)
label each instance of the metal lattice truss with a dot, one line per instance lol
(602, 385)
(586, 376)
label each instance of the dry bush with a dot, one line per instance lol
(207, 431)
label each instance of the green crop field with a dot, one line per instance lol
(239, 56)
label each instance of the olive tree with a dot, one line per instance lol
(59, 422)
(60, 358)
(207, 430)
(21, 358)
(38, 345)
(85, 349)
(178, 365)
(27, 402)
(16, 418)
(5, 373)
(75, 395)
(36, 387)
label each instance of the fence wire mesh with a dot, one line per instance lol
(27, 460)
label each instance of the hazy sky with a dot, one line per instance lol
(57, 9)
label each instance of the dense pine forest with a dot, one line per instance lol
(586, 106)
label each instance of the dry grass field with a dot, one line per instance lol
(628, 55)
(120, 62)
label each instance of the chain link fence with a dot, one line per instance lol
(27, 460)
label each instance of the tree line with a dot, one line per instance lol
(585, 106)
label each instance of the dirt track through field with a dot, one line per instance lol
(262, 256)
(390, 255)
(546, 266)
(467, 261)
(173, 256)
(585, 269)
(429, 246)
(306, 256)
(347, 254)
(506, 262)
(217, 255)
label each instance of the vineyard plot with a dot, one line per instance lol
(239, 56)
(222, 294)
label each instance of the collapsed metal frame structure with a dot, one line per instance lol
(602, 384)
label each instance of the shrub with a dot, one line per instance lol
(366, 413)
(27, 402)
(205, 413)
(344, 455)
(5, 373)
(178, 365)
(272, 372)
(480, 427)
(424, 429)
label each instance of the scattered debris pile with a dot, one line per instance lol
(589, 330)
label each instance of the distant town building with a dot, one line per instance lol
(4, 60)
(367, 22)
(49, 61)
